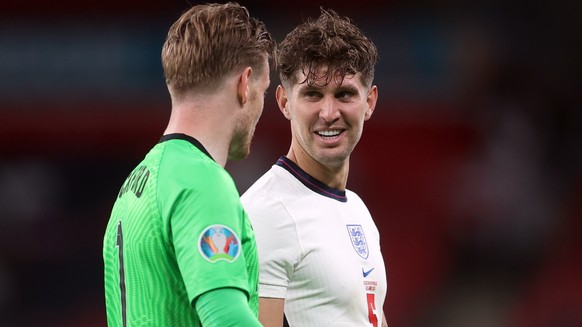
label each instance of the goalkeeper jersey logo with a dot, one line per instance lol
(218, 242)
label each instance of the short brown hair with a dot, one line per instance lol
(210, 41)
(331, 41)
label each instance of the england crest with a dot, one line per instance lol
(358, 238)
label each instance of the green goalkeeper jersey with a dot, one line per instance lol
(176, 231)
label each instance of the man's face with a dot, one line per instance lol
(327, 121)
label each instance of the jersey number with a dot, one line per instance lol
(372, 309)
(119, 245)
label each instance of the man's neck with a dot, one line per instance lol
(210, 125)
(334, 177)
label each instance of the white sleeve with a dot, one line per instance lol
(277, 243)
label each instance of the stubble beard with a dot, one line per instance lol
(240, 144)
(333, 157)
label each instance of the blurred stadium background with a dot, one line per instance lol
(471, 164)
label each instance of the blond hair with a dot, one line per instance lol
(209, 42)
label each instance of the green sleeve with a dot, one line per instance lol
(202, 199)
(225, 307)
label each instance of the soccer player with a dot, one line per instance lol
(179, 249)
(319, 249)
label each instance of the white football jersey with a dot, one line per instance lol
(318, 248)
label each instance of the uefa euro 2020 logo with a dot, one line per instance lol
(218, 242)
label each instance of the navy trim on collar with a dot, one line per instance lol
(310, 182)
(180, 136)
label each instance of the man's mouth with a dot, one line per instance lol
(329, 133)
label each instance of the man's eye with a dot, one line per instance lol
(343, 95)
(312, 94)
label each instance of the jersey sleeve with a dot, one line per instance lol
(206, 226)
(213, 311)
(277, 243)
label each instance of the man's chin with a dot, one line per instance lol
(238, 155)
(331, 159)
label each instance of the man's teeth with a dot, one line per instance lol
(329, 133)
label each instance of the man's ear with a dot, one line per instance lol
(281, 96)
(371, 101)
(242, 90)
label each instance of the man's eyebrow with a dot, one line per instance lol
(349, 88)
